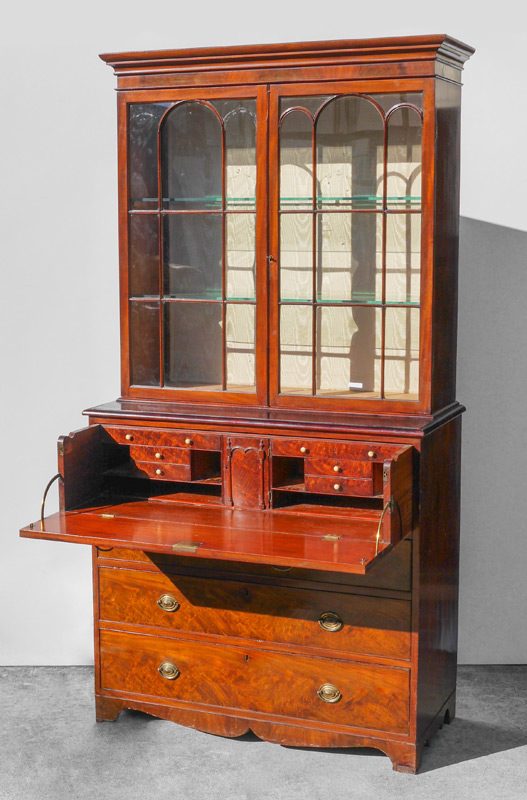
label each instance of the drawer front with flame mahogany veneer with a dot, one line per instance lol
(194, 673)
(352, 623)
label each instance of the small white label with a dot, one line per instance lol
(355, 385)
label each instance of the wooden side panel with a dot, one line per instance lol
(446, 243)
(84, 456)
(436, 562)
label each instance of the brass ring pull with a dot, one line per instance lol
(168, 670)
(329, 693)
(330, 621)
(46, 490)
(168, 602)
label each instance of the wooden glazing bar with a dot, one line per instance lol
(314, 276)
(161, 253)
(223, 307)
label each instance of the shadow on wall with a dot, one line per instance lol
(492, 383)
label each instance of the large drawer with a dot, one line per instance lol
(239, 678)
(253, 611)
(393, 572)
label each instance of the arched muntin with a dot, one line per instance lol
(161, 141)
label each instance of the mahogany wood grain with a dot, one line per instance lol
(244, 678)
(337, 485)
(405, 756)
(349, 451)
(337, 467)
(156, 455)
(165, 472)
(83, 458)
(436, 564)
(247, 610)
(164, 438)
(246, 472)
(268, 537)
(391, 574)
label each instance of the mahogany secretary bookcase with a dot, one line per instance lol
(273, 502)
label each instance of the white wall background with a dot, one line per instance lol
(59, 327)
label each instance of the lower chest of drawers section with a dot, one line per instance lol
(245, 646)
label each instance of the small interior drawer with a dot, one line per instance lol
(319, 448)
(336, 467)
(165, 472)
(356, 487)
(161, 455)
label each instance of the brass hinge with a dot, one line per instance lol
(186, 547)
(385, 473)
(330, 537)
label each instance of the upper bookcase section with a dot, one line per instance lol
(289, 224)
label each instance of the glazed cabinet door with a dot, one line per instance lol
(193, 245)
(346, 234)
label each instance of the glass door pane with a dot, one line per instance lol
(350, 249)
(192, 234)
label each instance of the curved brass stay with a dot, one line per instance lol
(168, 670)
(46, 490)
(329, 693)
(389, 506)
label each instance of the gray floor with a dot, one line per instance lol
(51, 747)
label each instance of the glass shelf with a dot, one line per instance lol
(358, 301)
(357, 201)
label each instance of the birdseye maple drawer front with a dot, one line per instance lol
(319, 689)
(246, 610)
(320, 449)
(164, 438)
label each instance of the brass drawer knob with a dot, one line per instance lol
(168, 670)
(304, 449)
(188, 441)
(159, 471)
(159, 455)
(337, 487)
(129, 437)
(329, 693)
(371, 454)
(336, 468)
(330, 621)
(168, 602)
